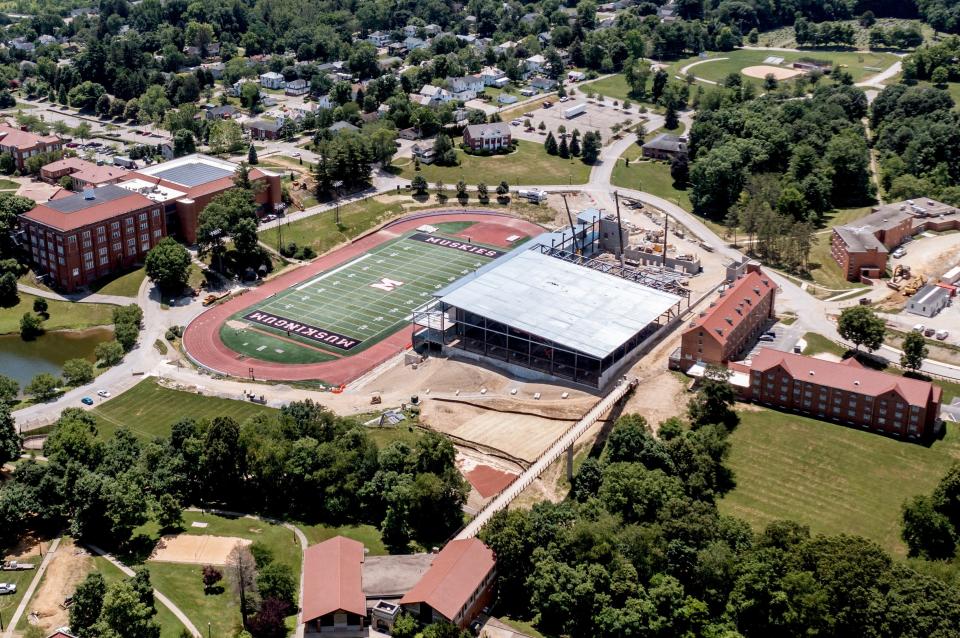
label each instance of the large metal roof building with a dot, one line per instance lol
(544, 309)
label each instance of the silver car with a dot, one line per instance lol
(8, 588)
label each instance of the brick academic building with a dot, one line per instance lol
(84, 237)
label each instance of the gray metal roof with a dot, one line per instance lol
(193, 174)
(667, 142)
(78, 202)
(579, 308)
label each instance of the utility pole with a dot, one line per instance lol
(666, 219)
(573, 229)
(616, 200)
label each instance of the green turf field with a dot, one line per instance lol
(351, 307)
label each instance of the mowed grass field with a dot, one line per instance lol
(170, 626)
(149, 409)
(613, 87)
(183, 584)
(63, 315)
(860, 64)
(833, 478)
(125, 285)
(355, 305)
(649, 176)
(529, 164)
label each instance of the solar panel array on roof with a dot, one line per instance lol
(78, 202)
(193, 174)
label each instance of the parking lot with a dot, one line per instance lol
(784, 341)
(597, 117)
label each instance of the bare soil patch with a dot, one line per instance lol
(761, 71)
(195, 549)
(68, 566)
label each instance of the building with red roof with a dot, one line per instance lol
(333, 598)
(85, 236)
(187, 184)
(23, 145)
(457, 586)
(739, 314)
(83, 174)
(845, 392)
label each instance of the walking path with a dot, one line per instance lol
(538, 467)
(13, 620)
(301, 538)
(166, 602)
(114, 300)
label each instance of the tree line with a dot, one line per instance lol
(302, 462)
(640, 549)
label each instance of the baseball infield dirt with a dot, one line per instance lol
(763, 70)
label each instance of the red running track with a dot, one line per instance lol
(202, 337)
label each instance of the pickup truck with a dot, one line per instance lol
(12, 566)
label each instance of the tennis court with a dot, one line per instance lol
(348, 308)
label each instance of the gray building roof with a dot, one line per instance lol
(667, 142)
(80, 202)
(265, 125)
(579, 308)
(496, 128)
(859, 239)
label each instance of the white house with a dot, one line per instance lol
(413, 43)
(431, 95)
(379, 38)
(297, 87)
(490, 75)
(535, 63)
(433, 30)
(503, 47)
(271, 80)
(237, 86)
(410, 30)
(465, 88)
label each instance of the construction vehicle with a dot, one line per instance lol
(900, 276)
(209, 299)
(915, 284)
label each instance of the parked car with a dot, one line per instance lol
(929, 332)
(564, 98)
(103, 393)
(771, 333)
(515, 122)
(86, 401)
(942, 334)
(899, 252)
(919, 327)
(8, 588)
(767, 338)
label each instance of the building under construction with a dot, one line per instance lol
(566, 305)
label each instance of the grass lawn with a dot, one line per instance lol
(149, 409)
(63, 315)
(817, 344)
(529, 164)
(614, 87)
(22, 580)
(824, 269)
(857, 63)
(126, 285)
(366, 534)
(8, 185)
(649, 176)
(835, 479)
(785, 36)
(183, 585)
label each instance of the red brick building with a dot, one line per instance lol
(487, 137)
(23, 144)
(186, 185)
(845, 392)
(83, 174)
(862, 247)
(81, 238)
(739, 315)
(457, 586)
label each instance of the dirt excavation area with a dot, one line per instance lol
(763, 70)
(68, 566)
(521, 436)
(195, 549)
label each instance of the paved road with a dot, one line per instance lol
(879, 80)
(166, 602)
(13, 620)
(566, 441)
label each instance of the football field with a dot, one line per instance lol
(356, 304)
